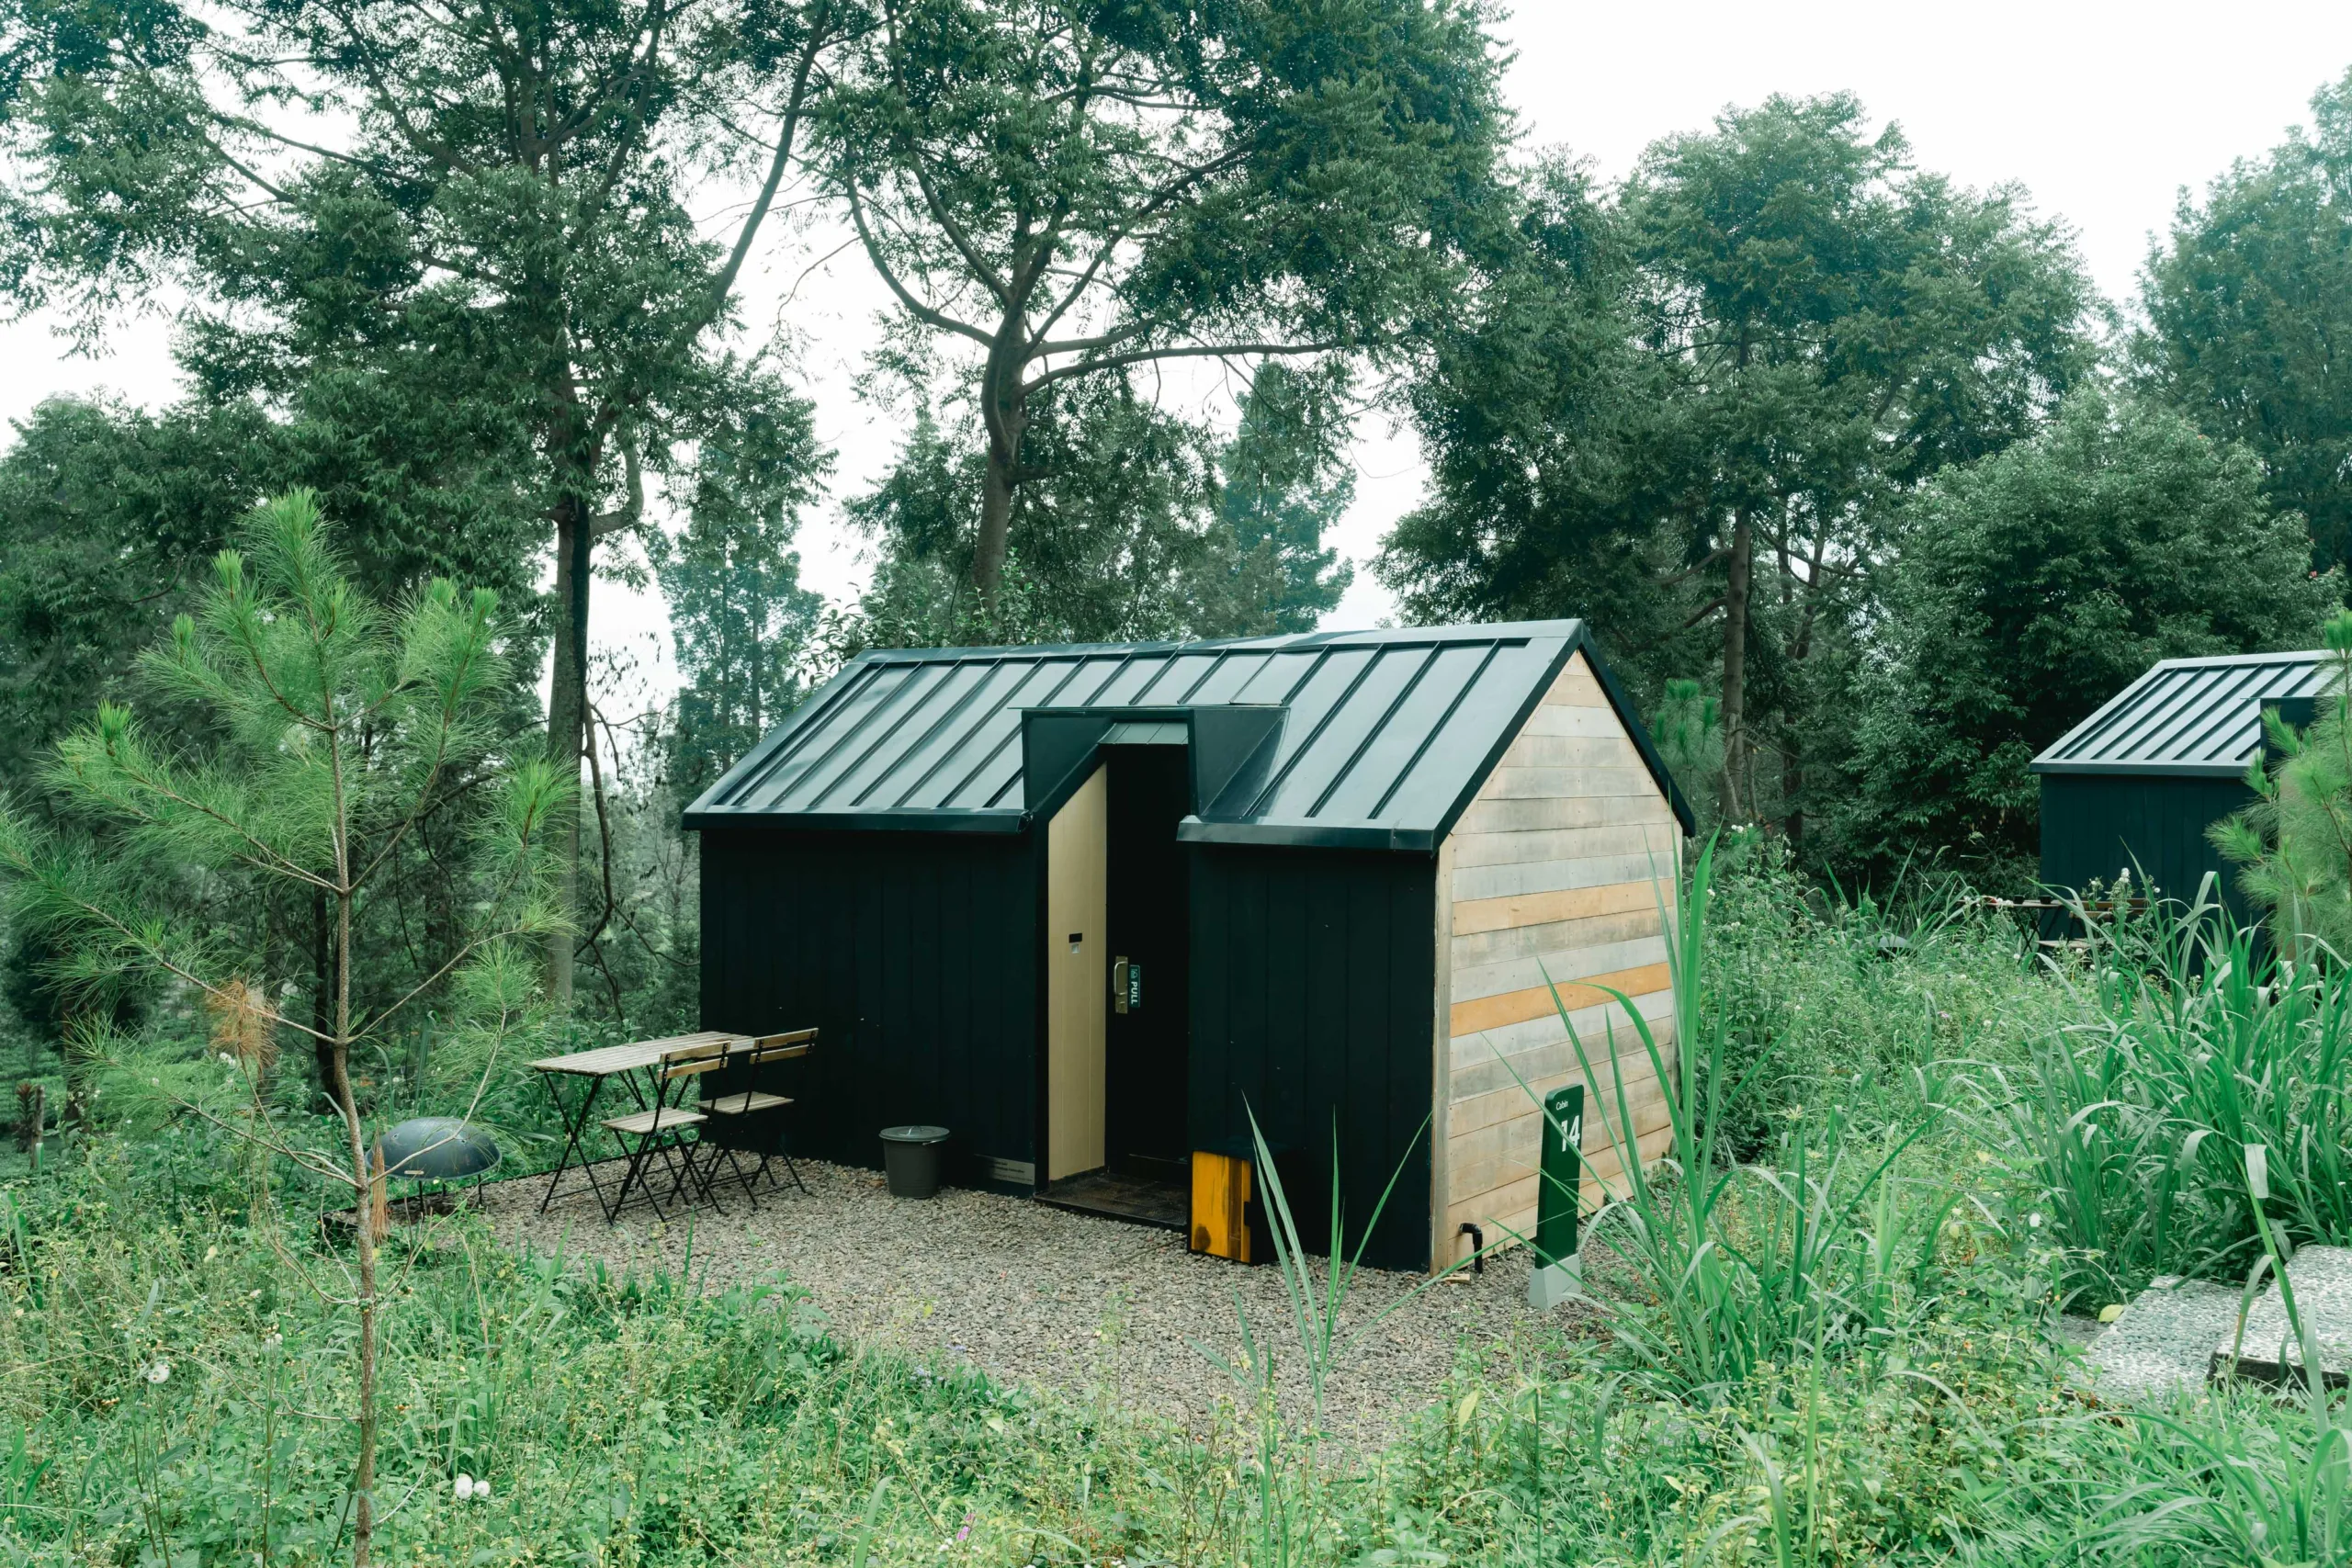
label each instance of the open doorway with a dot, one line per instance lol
(1143, 1171)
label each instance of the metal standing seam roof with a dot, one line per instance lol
(1381, 739)
(2190, 717)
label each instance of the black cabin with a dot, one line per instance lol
(1082, 905)
(2136, 785)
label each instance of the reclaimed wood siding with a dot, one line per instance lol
(1558, 869)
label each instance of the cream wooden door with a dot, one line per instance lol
(1077, 979)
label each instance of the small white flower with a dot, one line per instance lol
(481, 1489)
(158, 1371)
(2033, 1221)
(465, 1487)
(273, 1339)
(227, 1058)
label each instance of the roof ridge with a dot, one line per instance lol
(2215, 660)
(1481, 631)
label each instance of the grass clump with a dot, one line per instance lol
(2190, 1045)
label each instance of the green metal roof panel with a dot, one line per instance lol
(1152, 733)
(2191, 717)
(1378, 738)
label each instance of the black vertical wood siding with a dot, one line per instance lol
(2093, 825)
(916, 956)
(1312, 985)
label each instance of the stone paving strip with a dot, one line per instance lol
(2271, 1351)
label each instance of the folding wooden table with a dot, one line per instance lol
(634, 1065)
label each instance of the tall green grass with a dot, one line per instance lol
(1821, 1334)
(2189, 1042)
(1744, 1263)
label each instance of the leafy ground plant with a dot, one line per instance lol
(652, 1418)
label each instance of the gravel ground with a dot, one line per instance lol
(1030, 1293)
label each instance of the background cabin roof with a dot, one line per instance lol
(2192, 717)
(1383, 739)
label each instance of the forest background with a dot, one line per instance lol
(1868, 486)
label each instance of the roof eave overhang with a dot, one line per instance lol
(1308, 836)
(709, 811)
(997, 821)
(2141, 770)
(1576, 635)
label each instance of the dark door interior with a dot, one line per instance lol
(1147, 1045)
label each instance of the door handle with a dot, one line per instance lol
(1119, 971)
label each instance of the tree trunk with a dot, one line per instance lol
(363, 1479)
(1793, 794)
(568, 719)
(1005, 412)
(1737, 578)
(322, 993)
(995, 527)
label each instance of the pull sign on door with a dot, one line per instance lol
(1126, 985)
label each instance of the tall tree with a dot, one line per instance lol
(2034, 584)
(1841, 325)
(449, 244)
(105, 514)
(1697, 406)
(1113, 536)
(340, 727)
(740, 620)
(1135, 524)
(1283, 481)
(1547, 429)
(2249, 317)
(1068, 189)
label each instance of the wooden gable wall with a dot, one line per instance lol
(1559, 866)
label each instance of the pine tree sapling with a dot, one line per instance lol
(2295, 842)
(338, 728)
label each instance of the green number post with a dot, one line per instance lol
(1562, 1172)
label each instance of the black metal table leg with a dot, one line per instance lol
(576, 1124)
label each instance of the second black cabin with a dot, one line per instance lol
(2136, 785)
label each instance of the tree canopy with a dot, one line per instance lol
(447, 251)
(1066, 192)
(1695, 404)
(1754, 410)
(2034, 584)
(2248, 302)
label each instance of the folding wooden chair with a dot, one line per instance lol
(757, 1111)
(660, 1129)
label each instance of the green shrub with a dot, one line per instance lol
(1816, 986)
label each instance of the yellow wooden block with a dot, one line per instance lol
(1221, 1206)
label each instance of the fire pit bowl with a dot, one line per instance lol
(437, 1148)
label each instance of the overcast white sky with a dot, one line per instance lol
(2103, 111)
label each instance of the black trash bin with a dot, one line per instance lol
(910, 1158)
